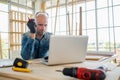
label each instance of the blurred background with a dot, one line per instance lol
(98, 19)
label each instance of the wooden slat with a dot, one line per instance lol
(56, 16)
(17, 28)
(80, 28)
(18, 21)
(43, 6)
(15, 44)
(0, 47)
(76, 29)
(69, 23)
(72, 17)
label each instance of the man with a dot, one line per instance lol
(35, 44)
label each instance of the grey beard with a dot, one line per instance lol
(40, 33)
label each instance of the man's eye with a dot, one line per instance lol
(40, 24)
(45, 24)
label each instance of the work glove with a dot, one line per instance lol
(31, 25)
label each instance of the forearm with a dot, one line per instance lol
(27, 49)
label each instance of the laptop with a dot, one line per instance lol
(6, 63)
(66, 49)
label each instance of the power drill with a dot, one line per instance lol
(85, 73)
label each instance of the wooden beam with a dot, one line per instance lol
(56, 16)
(43, 6)
(80, 27)
(72, 16)
(68, 23)
(70, 3)
(0, 46)
(12, 16)
(76, 29)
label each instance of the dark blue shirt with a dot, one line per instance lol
(34, 48)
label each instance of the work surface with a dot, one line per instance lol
(43, 72)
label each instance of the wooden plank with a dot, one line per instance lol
(80, 27)
(69, 23)
(0, 46)
(17, 28)
(72, 17)
(11, 17)
(43, 6)
(56, 16)
(18, 20)
(40, 70)
(11, 28)
(76, 29)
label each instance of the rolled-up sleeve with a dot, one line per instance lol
(27, 47)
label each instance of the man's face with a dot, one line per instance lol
(41, 24)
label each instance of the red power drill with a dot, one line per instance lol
(85, 73)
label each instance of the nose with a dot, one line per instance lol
(42, 27)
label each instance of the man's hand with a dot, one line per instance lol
(31, 25)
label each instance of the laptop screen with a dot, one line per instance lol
(67, 49)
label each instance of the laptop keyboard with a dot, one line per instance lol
(6, 63)
(46, 59)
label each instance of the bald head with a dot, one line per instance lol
(41, 13)
(41, 20)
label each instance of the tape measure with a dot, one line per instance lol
(20, 65)
(21, 69)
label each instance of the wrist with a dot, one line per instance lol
(32, 35)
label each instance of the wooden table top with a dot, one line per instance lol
(40, 71)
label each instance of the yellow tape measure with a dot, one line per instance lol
(21, 69)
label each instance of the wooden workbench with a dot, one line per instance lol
(43, 72)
